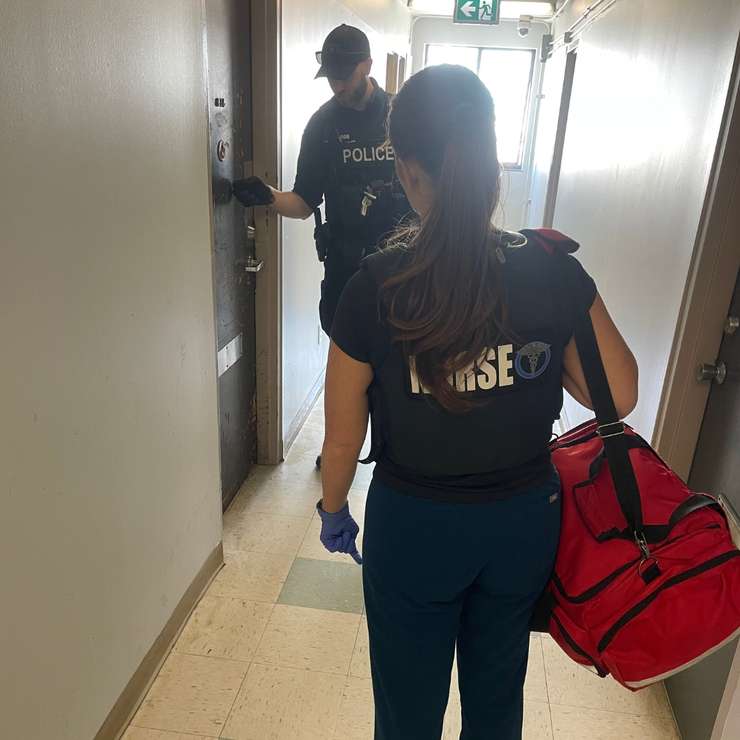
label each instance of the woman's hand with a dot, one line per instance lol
(339, 532)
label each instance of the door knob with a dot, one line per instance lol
(712, 373)
(732, 325)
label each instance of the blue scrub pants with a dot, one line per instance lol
(445, 576)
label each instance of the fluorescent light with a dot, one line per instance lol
(510, 9)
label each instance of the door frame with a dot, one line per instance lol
(566, 92)
(707, 296)
(267, 164)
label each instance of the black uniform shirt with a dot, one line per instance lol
(501, 445)
(343, 152)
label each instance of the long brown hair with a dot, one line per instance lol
(446, 306)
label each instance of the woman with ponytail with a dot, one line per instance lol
(457, 338)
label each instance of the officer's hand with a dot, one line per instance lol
(222, 190)
(252, 192)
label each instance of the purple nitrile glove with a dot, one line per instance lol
(339, 532)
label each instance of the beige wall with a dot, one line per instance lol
(650, 85)
(305, 25)
(109, 477)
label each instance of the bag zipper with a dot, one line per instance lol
(575, 432)
(640, 607)
(576, 648)
(597, 588)
(578, 441)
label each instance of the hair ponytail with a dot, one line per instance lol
(447, 306)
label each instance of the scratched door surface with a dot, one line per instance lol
(230, 116)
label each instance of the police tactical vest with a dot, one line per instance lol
(364, 199)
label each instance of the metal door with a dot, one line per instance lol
(230, 116)
(696, 693)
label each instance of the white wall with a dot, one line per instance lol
(109, 472)
(572, 11)
(305, 25)
(651, 80)
(515, 184)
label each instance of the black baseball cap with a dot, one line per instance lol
(344, 48)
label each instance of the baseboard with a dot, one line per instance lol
(303, 413)
(128, 703)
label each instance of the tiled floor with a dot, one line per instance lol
(278, 648)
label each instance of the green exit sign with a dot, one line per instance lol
(480, 12)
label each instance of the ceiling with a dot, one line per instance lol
(510, 9)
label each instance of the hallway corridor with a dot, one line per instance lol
(278, 648)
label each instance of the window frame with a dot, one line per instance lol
(524, 139)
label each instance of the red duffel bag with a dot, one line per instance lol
(647, 578)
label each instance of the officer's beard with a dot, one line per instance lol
(354, 98)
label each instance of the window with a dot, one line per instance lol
(507, 73)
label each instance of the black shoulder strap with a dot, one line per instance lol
(610, 428)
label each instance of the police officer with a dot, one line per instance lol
(346, 161)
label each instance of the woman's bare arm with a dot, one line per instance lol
(619, 363)
(346, 411)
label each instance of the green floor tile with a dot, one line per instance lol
(322, 584)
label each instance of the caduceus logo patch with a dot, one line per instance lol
(532, 360)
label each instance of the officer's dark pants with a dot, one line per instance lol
(339, 267)
(439, 576)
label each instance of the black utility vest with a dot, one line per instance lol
(518, 382)
(364, 199)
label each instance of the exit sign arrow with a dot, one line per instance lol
(468, 9)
